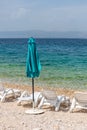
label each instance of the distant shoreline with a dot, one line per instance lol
(43, 34)
(74, 38)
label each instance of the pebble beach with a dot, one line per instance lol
(13, 117)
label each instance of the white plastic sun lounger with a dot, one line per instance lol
(27, 97)
(79, 101)
(7, 92)
(49, 97)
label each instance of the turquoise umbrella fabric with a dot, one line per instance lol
(33, 66)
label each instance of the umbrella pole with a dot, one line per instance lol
(33, 91)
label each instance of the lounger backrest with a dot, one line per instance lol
(48, 94)
(81, 97)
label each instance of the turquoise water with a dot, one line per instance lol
(64, 62)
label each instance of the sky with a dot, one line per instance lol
(46, 15)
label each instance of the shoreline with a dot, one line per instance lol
(59, 91)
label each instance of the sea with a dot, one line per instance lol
(63, 62)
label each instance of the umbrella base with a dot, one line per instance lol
(34, 111)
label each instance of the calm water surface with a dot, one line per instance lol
(64, 62)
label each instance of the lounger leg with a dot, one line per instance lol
(20, 98)
(41, 103)
(3, 98)
(25, 93)
(58, 104)
(36, 101)
(73, 105)
(19, 103)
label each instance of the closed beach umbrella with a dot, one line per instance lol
(33, 66)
